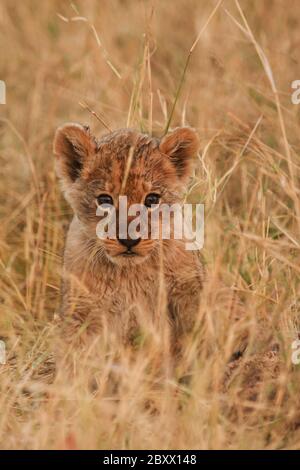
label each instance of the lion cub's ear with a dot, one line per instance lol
(181, 146)
(73, 145)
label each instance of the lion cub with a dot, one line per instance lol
(120, 286)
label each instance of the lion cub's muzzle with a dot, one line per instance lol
(129, 244)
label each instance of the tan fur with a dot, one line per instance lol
(103, 293)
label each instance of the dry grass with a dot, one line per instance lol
(125, 59)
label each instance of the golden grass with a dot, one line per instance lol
(124, 60)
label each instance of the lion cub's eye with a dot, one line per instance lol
(104, 199)
(152, 199)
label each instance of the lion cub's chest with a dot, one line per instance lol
(128, 304)
(138, 289)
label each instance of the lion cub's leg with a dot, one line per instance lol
(185, 283)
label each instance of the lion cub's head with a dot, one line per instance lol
(122, 163)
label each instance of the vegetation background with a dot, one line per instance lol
(124, 60)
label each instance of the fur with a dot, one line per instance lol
(104, 292)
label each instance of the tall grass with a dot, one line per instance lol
(124, 61)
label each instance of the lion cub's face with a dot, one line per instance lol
(123, 163)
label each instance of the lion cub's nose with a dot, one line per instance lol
(128, 242)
